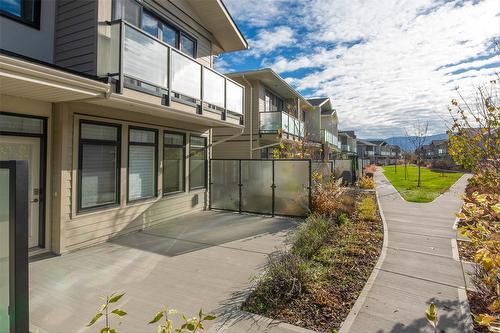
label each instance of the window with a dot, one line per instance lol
(142, 163)
(25, 11)
(273, 102)
(188, 45)
(174, 150)
(150, 24)
(169, 35)
(99, 165)
(132, 12)
(197, 162)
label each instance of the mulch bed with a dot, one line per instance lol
(351, 255)
(476, 306)
(466, 250)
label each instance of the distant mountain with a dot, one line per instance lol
(406, 144)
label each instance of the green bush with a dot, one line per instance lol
(342, 219)
(285, 280)
(310, 236)
(367, 209)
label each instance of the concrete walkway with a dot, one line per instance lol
(419, 267)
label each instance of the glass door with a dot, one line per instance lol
(14, 247)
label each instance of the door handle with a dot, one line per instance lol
(34, 200)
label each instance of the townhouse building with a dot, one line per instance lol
(328, 124)
(275, 119)
(378, 151)
(113, 104)
(348, 143)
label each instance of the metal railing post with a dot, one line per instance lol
(210, 184)
(121, 77)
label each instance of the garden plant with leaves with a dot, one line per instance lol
(474, 143)
(106, 313)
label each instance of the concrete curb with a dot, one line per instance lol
(346, 325)
(467, 325)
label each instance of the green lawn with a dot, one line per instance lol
(433, 183)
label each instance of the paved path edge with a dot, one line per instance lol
(353, 313)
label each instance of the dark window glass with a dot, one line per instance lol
(187, 45)
(141, 164)
(169, 35)
(197, 162)
(99, 165)
(150, 24)
(26, 11)
(173, 162)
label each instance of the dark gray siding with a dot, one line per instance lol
(76, 35)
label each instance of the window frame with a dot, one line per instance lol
(117, 144)
(170, 145)
(159, 30)
(155, 145)
(35, 23)
(205, 150)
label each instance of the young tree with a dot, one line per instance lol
(474, 137)
(417, 137)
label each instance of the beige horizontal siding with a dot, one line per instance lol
(81, 229)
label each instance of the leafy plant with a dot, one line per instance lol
(343, 218)
(365, 182)
(432, 316)
(367, 209)
(105, 312)
(285, 280)
(194, 324)
(310, 236)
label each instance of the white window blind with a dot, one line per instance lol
(99, 164)
(141, 164)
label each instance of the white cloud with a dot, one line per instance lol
(258, 13)
(268, 40)
(397, 74)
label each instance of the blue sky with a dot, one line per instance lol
(385, 64)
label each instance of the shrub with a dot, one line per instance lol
(367, 209)
(310, 236)
(365, 182)
(285, 280)
(342, 219)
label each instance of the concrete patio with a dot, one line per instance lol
(203, 260)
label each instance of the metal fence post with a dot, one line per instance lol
(273, 186)
(310, 185)
(240, 185)
(210, 184)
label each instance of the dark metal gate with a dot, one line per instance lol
(262, 186)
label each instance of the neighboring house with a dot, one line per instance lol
(348, 143)
(113, 104)
(329, 124)
(275, 113)
(378, 151)
(437, 149)
(366, 149)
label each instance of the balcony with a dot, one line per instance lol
(272, 121)
(346, 148)
(137, 60)
(329, 137)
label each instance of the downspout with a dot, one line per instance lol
(251, 114)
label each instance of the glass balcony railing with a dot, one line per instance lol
(329, 137)
(272, 121)
(346, 148)
(128, 54)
